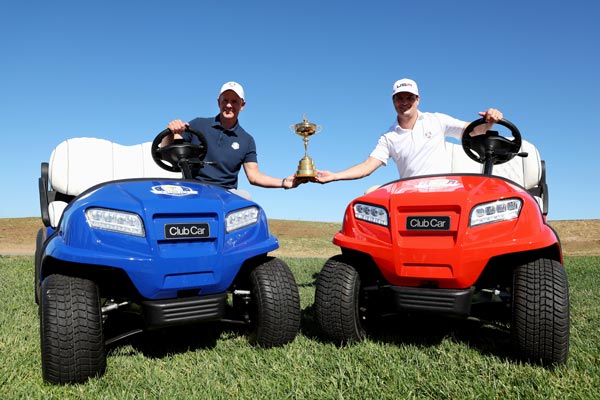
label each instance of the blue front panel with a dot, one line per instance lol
(157, 265)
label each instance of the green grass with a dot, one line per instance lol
(412, 359)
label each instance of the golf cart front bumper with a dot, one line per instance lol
(450, 302)
(186, 310)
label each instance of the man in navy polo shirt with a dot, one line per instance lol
(229, 145)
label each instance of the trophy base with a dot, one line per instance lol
(306, 177)
(306, 169)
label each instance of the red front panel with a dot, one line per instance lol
(429, 239)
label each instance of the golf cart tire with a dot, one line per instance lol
(72, 340)
(337, 302)
(276, 304)
(540, 316)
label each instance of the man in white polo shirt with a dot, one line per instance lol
(415, 141)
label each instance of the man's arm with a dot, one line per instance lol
(358, 171)
(257, 178)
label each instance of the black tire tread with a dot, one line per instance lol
(540, 321)
(336, 302)
(72, 341)
(277, 301)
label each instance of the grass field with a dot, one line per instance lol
(307, 238)
(412, 359)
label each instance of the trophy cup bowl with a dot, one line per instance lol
(306, 166)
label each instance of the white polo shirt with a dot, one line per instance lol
(421, 150)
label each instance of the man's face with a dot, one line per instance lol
(405, 103)
(230, 105)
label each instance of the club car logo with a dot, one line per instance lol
(187, 231)
(441, 223)
(173, 190)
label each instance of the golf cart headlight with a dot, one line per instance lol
(115, 221)
(370, 213)
(241, 218)
(501, 210)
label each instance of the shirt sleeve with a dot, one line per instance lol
(382, 150)
(251, 153)
(452, 127)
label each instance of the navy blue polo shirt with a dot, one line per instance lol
(228, 148)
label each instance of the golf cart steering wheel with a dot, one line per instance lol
(169, 157)
(490, 145)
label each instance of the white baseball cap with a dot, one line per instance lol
(405, 85)
(236, 87)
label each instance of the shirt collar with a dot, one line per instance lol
(217, 125)
(396, 127)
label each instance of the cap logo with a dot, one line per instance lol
(403, 84)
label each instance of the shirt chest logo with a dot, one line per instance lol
(235, 145)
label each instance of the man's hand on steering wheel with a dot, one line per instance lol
(177, 127)
(490, 116)
(168, 155)
(490, 144)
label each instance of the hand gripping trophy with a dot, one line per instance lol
(306, 166)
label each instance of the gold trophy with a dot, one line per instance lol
(306, 166)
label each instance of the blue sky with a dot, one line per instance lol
(121, 70)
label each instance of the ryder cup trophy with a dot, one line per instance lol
(306, 166)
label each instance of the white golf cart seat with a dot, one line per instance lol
(77, 164)
(528, 171)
